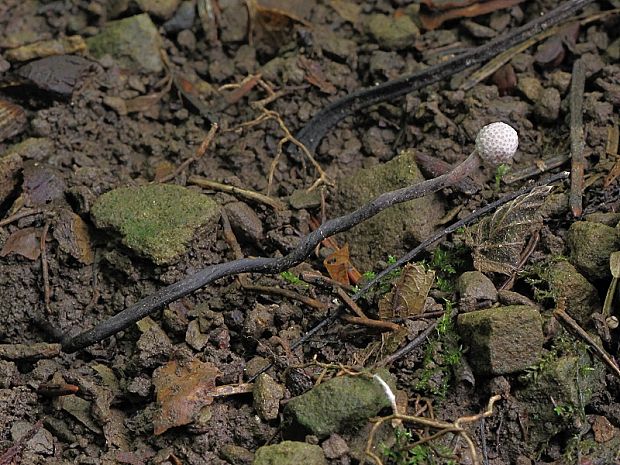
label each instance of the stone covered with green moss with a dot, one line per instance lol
(340, 404)
(502, 340)
(395, 230)
(290, 453)
(133, 42)
(156, 220)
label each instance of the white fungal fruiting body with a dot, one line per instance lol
(496, 143)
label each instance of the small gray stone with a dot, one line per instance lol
(187, 39)
(41, 443)
(301, 198)
(194, 338)
(530, 87)
(245, 222)
(267, 395)
(257, 321)
(398, 227)
(236, 455)
(548, 104)
(290, 453)
(502, 340)
(335, 446)
(390, 32)
(476, 291)
(8, 374)
(255, 365)
(161, 8)
(182, 19)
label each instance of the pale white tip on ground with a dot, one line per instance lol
(496, 143)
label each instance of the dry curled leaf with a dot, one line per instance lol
(497, 241)
(339, 266)
(408, 295)
(23, 242)
(72, 235)
(182, 390)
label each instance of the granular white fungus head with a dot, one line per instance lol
(496, 143)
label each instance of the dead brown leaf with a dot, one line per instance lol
(73, 237)
(315, 75)
(340, 268)
(433, 21)
(408, 296)
(182, 390)
(24, 242)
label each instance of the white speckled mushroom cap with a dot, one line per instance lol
(496, 143)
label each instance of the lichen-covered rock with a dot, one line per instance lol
(290, 453)
(502, 340)
(156, 220)
(590, 246)
(392, 33)
(267, 394)
(566, 284)
(395, 229)
(337, 405)
(134, 42)
(557, 391)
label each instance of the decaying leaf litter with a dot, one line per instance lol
(78, 124)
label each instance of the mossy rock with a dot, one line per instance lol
(290, 453)
(556, 394)
(134, 42)
(156, 220)
(590, 245)
(395, 230)
(340, 404)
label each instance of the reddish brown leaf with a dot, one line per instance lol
(339, 267)
(433, 21)
(72, 235)
(182, 390)
(23, 242)
(315, 76)
(447, 4)
(505, 79)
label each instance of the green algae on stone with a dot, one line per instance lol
(567, 285)
(502, 340)
(155, 220)
(392, 33)
(134, 42)
(337, 405)
(290, 453)
(394, 230)
(591, 244)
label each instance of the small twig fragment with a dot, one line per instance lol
(577, 140)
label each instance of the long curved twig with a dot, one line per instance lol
(312, 133)
(175, 291)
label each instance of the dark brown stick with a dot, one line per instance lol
(577, 142)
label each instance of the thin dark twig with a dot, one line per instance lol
(312, 133)
(45, 268)
(175, 291)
